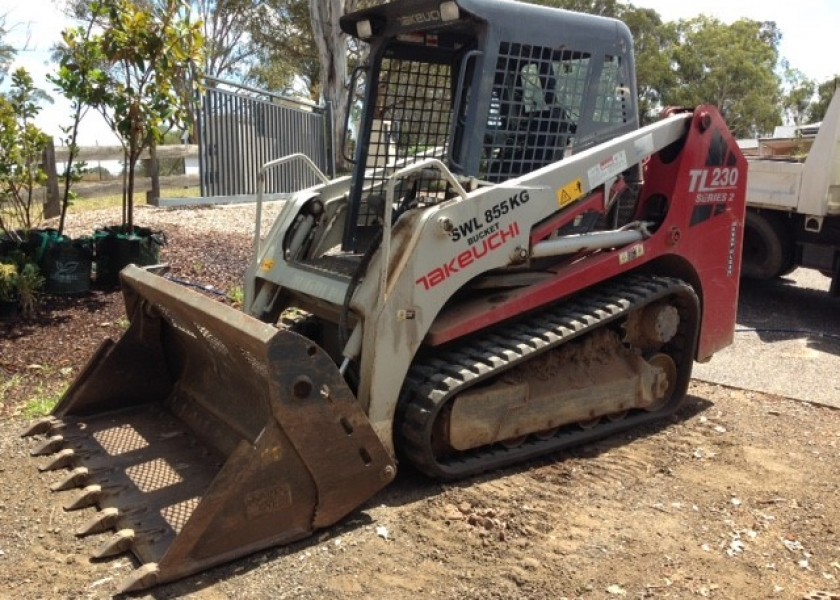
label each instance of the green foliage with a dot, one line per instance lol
(21, 148)
(731, 66)
(22, 283)
(229, 49)
(42, 403)
(705, 61)
(282, 36)
(29, 286)
(8, 282)
(236, 296)
(654, 45)
(7, 53)
(132, 69)
(80, 77)
(797, 98)
(825, 92)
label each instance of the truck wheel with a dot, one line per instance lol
(768, 249)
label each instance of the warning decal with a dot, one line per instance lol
(570, 193)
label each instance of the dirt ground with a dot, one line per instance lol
(735, 497)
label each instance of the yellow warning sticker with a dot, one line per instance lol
(570, 193)
(267, 264)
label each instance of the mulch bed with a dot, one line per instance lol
(40, 356)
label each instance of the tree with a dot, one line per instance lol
(7, 53)
(825, 92)
(131, 68)
(80, 67)
(796, 100)
(604, 8)
(228, 49)
(21, 147)
(332, 53)
(288, 57)
(731, 66)
(654, 43)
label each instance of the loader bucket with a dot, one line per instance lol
(203, 435)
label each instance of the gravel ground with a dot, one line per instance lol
(787, 342)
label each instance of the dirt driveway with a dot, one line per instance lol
(736, 497)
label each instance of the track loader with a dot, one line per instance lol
(513, 267)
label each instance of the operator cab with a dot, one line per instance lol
(494, 88)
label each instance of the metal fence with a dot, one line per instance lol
(242, 128)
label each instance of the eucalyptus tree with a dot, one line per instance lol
(798, 95)
(732, 66)
(825, 92)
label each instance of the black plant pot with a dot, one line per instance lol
(26, 246)
(8, 309)
(66, 266)
(115, 248)
(8, 247)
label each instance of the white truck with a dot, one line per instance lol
(793, 205)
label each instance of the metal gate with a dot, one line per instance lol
(242, 128)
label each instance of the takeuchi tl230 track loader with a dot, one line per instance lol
(513, 267)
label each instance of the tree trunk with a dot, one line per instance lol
(52, 207)
(332, 53)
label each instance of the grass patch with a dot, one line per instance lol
(82, 205)
(42, 403)
(188, 192)
(237, 296)
(8, 385)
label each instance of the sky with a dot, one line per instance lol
(808, 28)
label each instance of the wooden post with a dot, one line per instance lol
(153, 195)
(52, 205)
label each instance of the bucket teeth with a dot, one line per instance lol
(103, 521)
(65, 458)
(42, 427)
(120, 542)
(144, 577)
(76, 478)
(89, 496)
(49, 446)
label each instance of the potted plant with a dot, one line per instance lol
(138, 74)
(65, 262)
(117, 246)
(21, 147)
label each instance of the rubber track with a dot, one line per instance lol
(431, 382)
